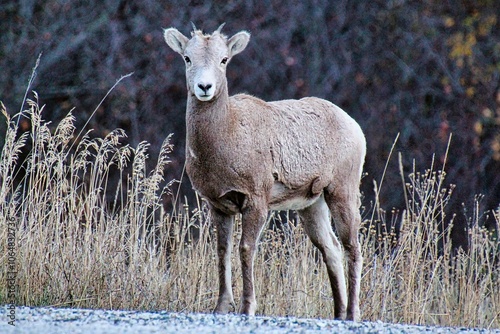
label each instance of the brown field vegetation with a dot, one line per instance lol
(75, 247)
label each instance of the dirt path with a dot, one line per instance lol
(65, 320)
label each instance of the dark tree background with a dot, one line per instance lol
(424, 69)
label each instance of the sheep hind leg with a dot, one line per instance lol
(344, 207)
(317, 224)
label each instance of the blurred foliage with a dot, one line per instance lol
(424, 69)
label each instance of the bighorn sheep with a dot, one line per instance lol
(244, 155)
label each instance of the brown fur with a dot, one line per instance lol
(244, 155)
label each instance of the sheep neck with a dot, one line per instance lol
(206, 122)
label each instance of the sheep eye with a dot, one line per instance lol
(186, 58)
(224, 61)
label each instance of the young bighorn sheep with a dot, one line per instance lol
(244, 155)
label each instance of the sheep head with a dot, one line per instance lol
(206, 57)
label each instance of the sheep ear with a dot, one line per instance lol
(176, 40)
(238, 43)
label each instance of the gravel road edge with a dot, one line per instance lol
(69, 320)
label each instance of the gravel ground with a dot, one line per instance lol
(65, 320)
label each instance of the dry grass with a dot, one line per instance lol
(76, 248)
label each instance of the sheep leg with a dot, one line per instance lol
(224, 224)
(316, 221)
(344, 206)
(253, 220)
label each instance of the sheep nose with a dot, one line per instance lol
(204, 88)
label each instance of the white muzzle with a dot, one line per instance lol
(204, 86)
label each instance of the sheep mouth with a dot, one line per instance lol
(204, 97)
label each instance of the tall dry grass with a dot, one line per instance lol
(77, 247)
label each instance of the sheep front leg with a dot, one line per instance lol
(224, 225)
(253, 220)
